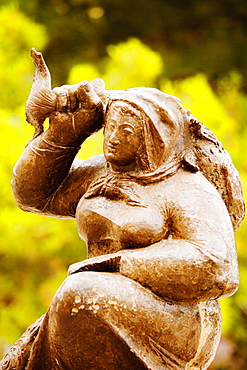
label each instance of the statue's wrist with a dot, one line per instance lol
(62, 146)
(43, 143)
(105, 263)
(125, 266)
(64, 141)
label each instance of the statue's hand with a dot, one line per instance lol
(105, 263)
(79, 113)
(75, 111)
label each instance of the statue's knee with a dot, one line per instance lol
(69, 308)
(74, 289)
(79, 294)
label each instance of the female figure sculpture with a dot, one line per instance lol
(157, 211)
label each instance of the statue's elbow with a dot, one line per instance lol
(230, 288)
(228, 281)
(19, 194)
(23, 203)
(25, 199)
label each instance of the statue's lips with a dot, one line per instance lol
(111, 149)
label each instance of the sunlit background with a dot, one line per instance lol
(193, 49)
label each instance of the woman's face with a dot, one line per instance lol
(122, 137)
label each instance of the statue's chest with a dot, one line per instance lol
(108, 226)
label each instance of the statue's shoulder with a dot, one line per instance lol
(96, 162)
(192, 182)
(189, 191)
(191, 196)
(222, 187)
(88, 168)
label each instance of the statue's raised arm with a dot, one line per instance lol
(158, 213)
(74, 112)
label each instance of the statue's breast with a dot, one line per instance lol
(108, 226)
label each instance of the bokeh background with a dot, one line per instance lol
(194, 49)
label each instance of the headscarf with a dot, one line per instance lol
(162, 115)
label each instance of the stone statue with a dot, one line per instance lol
(157, 212)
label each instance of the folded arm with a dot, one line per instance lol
(196, 263)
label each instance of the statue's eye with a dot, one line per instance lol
(110, 126)
(127, 128)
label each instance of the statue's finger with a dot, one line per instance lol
(86, 95)
(73, 98)
(62, 99)
(99, 87)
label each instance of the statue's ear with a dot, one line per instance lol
(189, 161)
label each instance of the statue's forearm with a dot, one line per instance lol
(177, 270)
(40, 171)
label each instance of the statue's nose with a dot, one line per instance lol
(114, 138)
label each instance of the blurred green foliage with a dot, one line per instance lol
(17, 35)
(35, 251)
(192, 35)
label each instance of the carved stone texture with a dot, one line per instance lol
(157, 211)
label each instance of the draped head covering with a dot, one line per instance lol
(164, 120)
